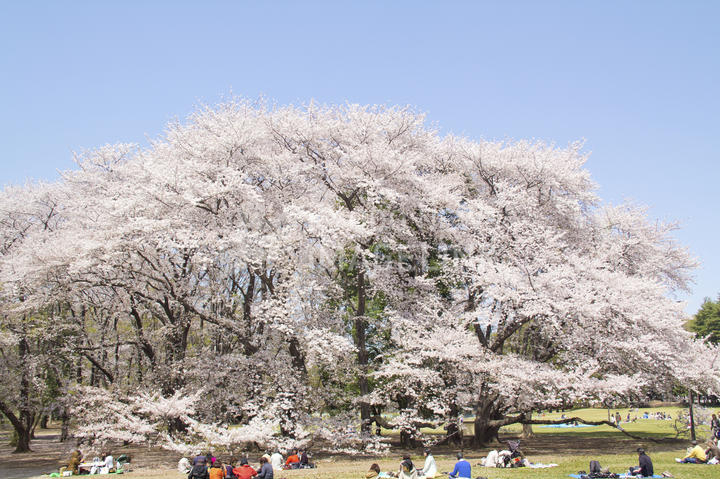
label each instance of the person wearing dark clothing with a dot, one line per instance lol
(645, 467)
(199, 472)
(200, 460)
(305, 461)
(266, 470)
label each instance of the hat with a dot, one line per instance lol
(266, 456)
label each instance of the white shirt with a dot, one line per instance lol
(429, 469)
(276, 460)
(109, 462)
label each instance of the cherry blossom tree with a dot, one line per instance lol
(293, 272)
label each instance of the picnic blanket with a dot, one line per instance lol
(539, 465)
(569, 425)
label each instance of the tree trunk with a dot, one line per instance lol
(65, 427)
(362, 354)
(44, 422)
(483, 432)
(527, 431)
(23, 440)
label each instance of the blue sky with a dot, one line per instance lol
(639, 81)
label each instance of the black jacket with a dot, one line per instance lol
(646, 467)
(199, 472)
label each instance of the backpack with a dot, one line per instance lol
(594, 467)
(198, 472)
(229, 474)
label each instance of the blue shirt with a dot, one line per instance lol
(462, 469)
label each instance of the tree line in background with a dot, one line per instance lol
(271, 277)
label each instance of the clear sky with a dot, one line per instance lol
(639, 81)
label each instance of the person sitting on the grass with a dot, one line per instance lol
(184, 465)
(373, 472)
(293, 461)
(429, 469)
(75, 460)
(229, 470)
(304, 460)
(200, 460)
(645, 467)
(491, 460)
(109, 462)
(462, 468)
(276, 460)
(407, 469)
(199, 471)
(216, 470)
(266, 470)
(244, 471)
(712, 453)
(695, 456)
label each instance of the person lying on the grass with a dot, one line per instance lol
(645, 468)
(696, 455)
(407, 469)
(429, 470)
(462, 468)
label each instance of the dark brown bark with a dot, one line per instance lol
(486, 415)
(362, 353)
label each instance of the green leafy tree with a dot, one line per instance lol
(706, 322)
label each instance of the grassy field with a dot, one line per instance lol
(355, 469)
(571, 449)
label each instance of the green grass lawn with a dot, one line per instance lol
(345, 468)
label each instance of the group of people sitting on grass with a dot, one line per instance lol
(108, 465)
(698, 454)
(210, 467)
(408, 470)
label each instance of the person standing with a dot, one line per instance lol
(645, 467)
(462, 468)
